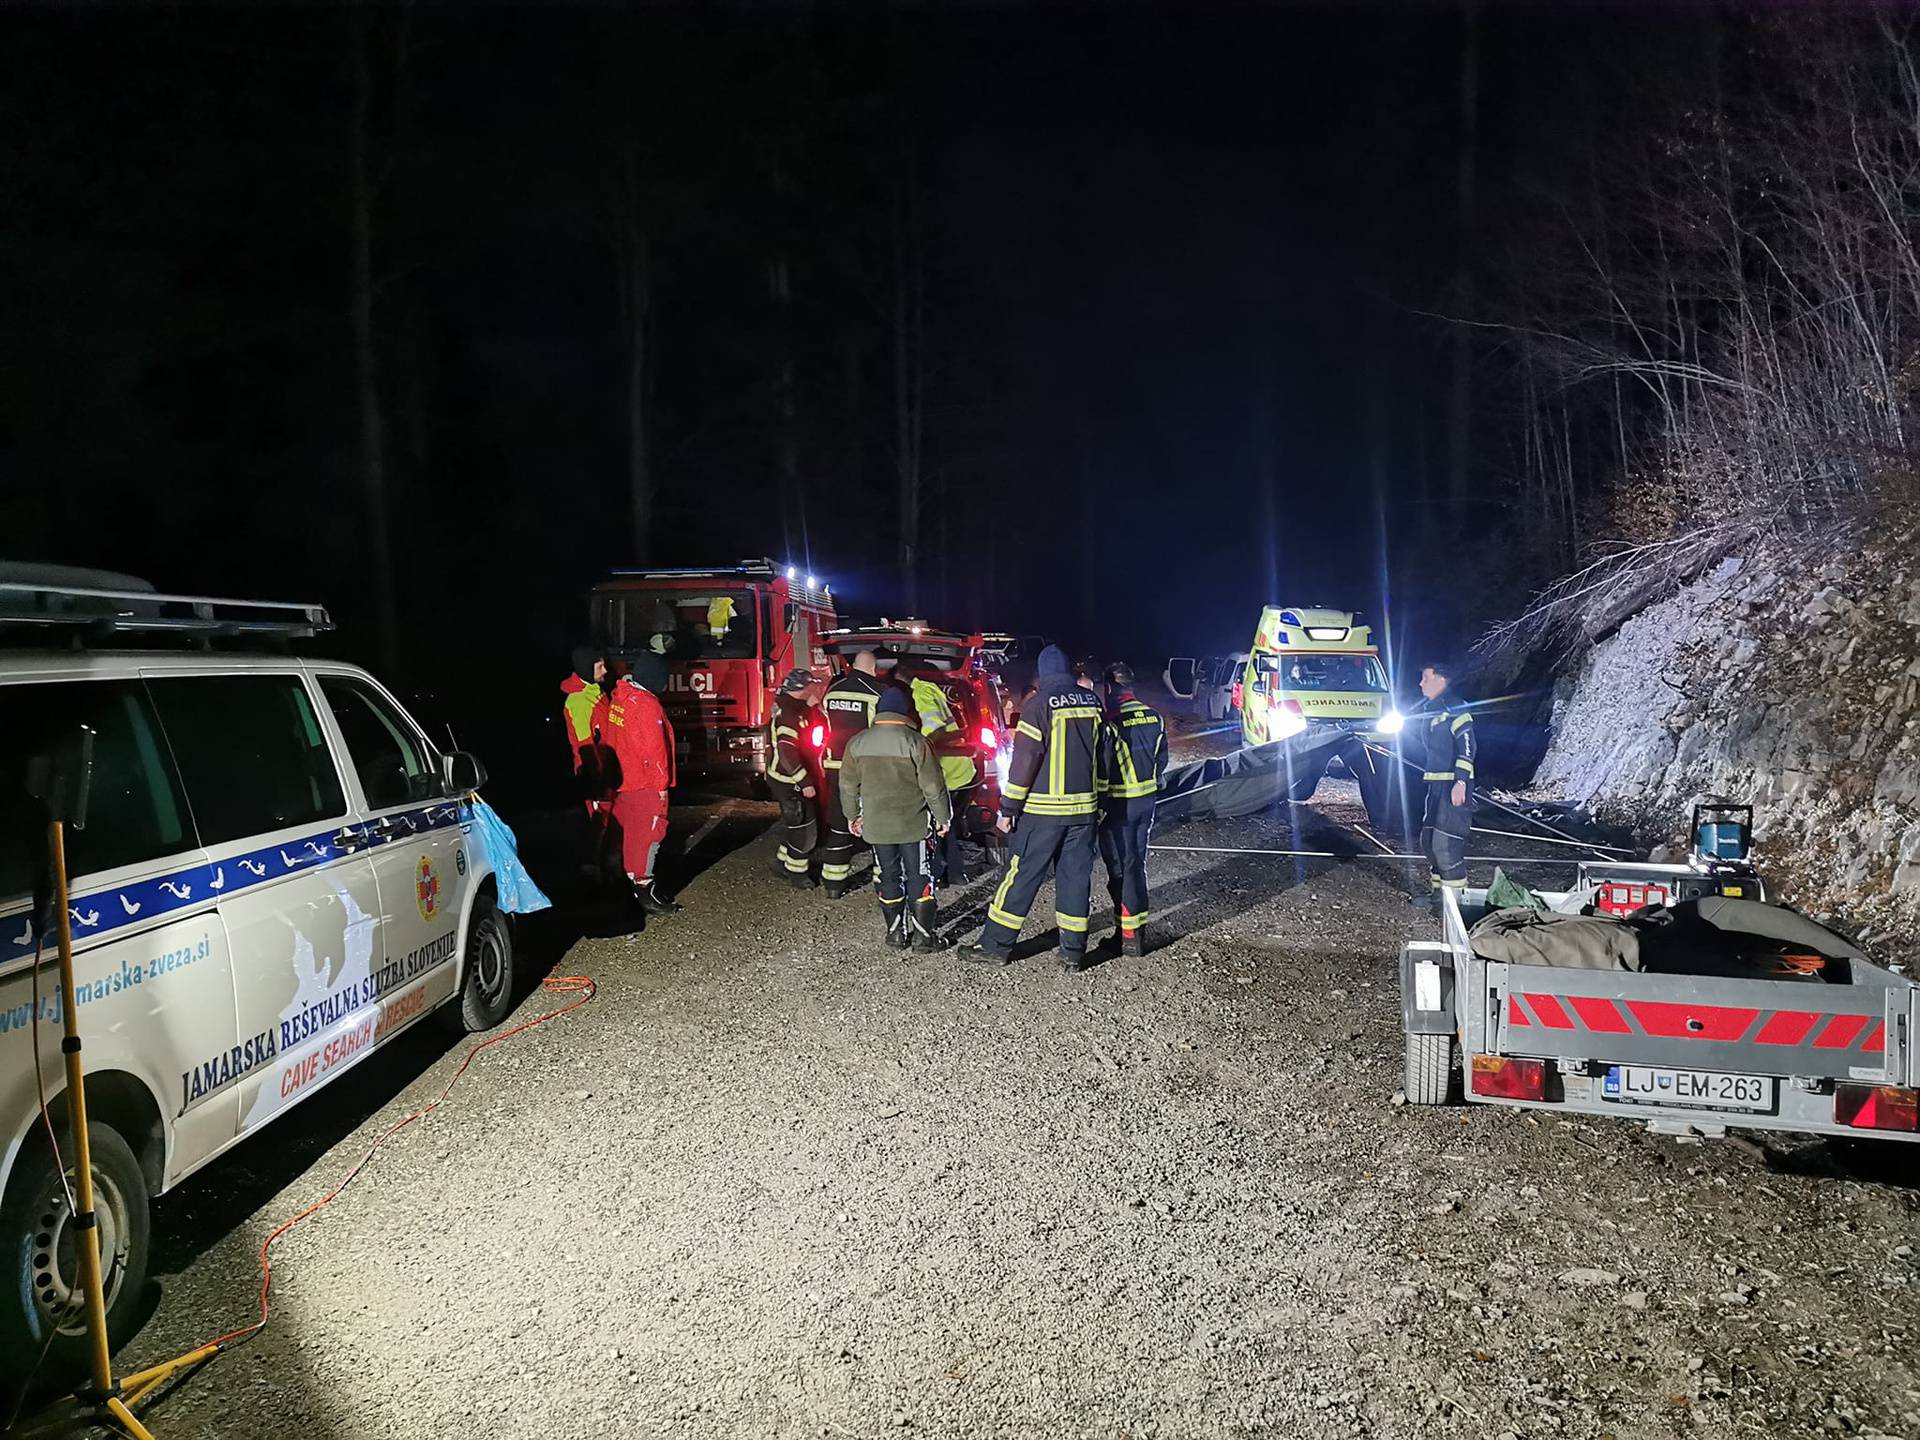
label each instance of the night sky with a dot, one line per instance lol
(1177, 268)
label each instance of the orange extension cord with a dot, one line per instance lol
(579, 985)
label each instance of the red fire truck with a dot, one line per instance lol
(728, 634)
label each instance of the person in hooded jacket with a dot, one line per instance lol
(583, 716)
(1049, 803)
(894, 797)
(641, 738)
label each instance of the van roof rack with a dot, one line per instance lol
(82, 612)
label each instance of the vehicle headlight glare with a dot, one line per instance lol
(1287, 724)
(1392, 723)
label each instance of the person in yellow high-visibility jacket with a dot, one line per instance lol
(957, 768)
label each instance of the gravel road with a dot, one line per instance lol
(776, 1180)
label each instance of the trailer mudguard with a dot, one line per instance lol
(1426, 988)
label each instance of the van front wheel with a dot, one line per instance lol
(43, 1305)
(486, 977)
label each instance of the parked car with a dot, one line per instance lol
(1207, 682)
(1013, 658)
(276, 876)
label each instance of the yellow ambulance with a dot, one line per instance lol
(1313, 666)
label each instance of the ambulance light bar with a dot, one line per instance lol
(1326, 632)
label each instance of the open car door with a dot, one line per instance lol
(1181, 675)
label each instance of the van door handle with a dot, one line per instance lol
(348, 838)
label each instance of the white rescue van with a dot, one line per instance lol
(275, 878)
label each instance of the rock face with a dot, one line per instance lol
(1786, 677)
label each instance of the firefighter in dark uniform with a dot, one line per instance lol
(1049, 802)
(1443, 727)
(848, 708)
(1133, 749)
(792, 781)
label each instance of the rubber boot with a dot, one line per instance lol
(925, 924)
(899, 932)
(1075, 961)
(652, 901)
(1134, 944)
(979, 954)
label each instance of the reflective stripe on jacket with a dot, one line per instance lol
(789, 764)
(1449, 743)
(1055, 769)
(1133, 750)
(848, 705)
(937, 724)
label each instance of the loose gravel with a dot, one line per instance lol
(777, 1180)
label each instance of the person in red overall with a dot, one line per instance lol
(641, 738)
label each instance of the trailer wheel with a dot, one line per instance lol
(1429, 1079)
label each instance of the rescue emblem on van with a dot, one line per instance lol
(426, 889)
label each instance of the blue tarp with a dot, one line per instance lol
(494, 844)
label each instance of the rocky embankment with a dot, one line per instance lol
(1788, 676)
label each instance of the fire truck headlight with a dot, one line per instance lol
(1392, 723)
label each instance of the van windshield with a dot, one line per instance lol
(716, 624)
(1332, 672)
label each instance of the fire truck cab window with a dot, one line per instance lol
(692, 625)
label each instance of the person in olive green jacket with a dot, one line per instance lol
(893, 794)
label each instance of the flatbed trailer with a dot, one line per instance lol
(1685, 1054)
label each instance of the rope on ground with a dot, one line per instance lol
(1352, 854)
(1598, 851)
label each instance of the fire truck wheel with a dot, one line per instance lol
(1429, 1069)
(42, 1303)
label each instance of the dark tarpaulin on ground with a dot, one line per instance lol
(1247, 781)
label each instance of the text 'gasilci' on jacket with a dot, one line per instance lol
(1055, 768)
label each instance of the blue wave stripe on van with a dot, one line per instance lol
(97, 914)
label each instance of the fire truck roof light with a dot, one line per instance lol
(811, 582)
(793, 572)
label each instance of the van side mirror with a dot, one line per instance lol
(462, 772)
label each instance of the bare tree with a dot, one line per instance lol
(1724, 339)
(373, 455)
(634, 278)
(909, 391)
(1465, 175)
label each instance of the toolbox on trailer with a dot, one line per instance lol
(1819, 1043)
